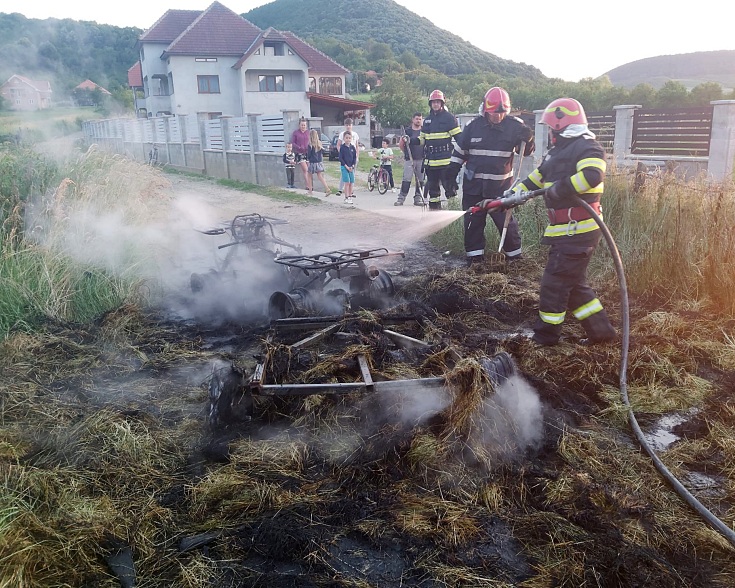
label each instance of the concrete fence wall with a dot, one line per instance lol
(250, 149)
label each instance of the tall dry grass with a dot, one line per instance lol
(675, 237)
(63, 251)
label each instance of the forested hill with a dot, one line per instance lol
(66, 52)
(367, 24)
(690, 69)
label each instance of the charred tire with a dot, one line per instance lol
(229, 399)
(382, 286)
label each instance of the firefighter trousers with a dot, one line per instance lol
(474, 229)
(435, 178)
(564, 288)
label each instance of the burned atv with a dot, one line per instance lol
(252, 248)
(332, 283)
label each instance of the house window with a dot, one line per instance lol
(208, 84)
(312, 85)
(330, 86)
(272, 48)
(270, 83)
(206, 59)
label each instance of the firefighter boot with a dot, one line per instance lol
(546, 334)
(598, 329)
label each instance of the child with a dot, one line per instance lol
(315, 158)
(289, 159)
(347, 160)
(385, 154)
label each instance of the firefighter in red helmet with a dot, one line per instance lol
(486, 148)
(436, 136)
(574, 166)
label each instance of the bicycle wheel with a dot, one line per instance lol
(371, 181)
(382, 183)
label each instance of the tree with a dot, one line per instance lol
(672, 94)
(396, 100)
(643, 94)
(705, 93)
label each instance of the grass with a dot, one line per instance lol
(102, 443)
(38, 125)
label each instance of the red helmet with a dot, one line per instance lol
(437, 95)
(563, 112)
(496, 100)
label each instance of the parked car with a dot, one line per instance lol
(333, 151)
(326, 145)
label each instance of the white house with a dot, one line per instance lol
(214, 62)
(23, 93)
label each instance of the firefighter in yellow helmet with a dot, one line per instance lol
(574, 166)
(436, 136)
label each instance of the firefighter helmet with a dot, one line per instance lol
(496, 100)
(437, 95)
(563, 112)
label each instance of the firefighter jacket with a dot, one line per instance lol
(486, 150)
(577, 166)
(436, 137)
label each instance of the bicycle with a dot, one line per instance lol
(378, 176)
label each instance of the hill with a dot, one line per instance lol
(690, 69)
(66, 52)
(387, 22)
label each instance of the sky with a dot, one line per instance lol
(535, 32)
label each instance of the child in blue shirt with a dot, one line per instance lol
(347, 160)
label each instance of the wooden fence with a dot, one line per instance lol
(681, 131)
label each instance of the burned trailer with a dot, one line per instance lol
(252, 248)
(333, 283)
(233, 391)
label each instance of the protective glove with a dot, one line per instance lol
(488, 204)
(526, 134)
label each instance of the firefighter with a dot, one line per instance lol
(574, 166)
(436, 136)
(486, 147)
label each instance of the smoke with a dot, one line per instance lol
(506, 426)
(510, 422)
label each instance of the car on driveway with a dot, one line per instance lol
(326, 145)
(333, 151)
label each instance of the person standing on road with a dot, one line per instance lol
(437, 131)
(486, 148)
(385, 155)
(355, 143)
(316, 161)
(574, 167)
(413, 155)
(300, 142)
(348, 162)
(289, 161)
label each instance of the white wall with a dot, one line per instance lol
(187, 99)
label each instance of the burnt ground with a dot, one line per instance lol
(535, 481)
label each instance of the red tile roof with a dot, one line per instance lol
(135, 76)
(216, 31)
(220, 31)
(42, 86)
(337, 101)
(318, 62)
(90, 85)
(169, 26)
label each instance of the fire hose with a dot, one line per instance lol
(521, 197)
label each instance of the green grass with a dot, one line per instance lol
(38, 125)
